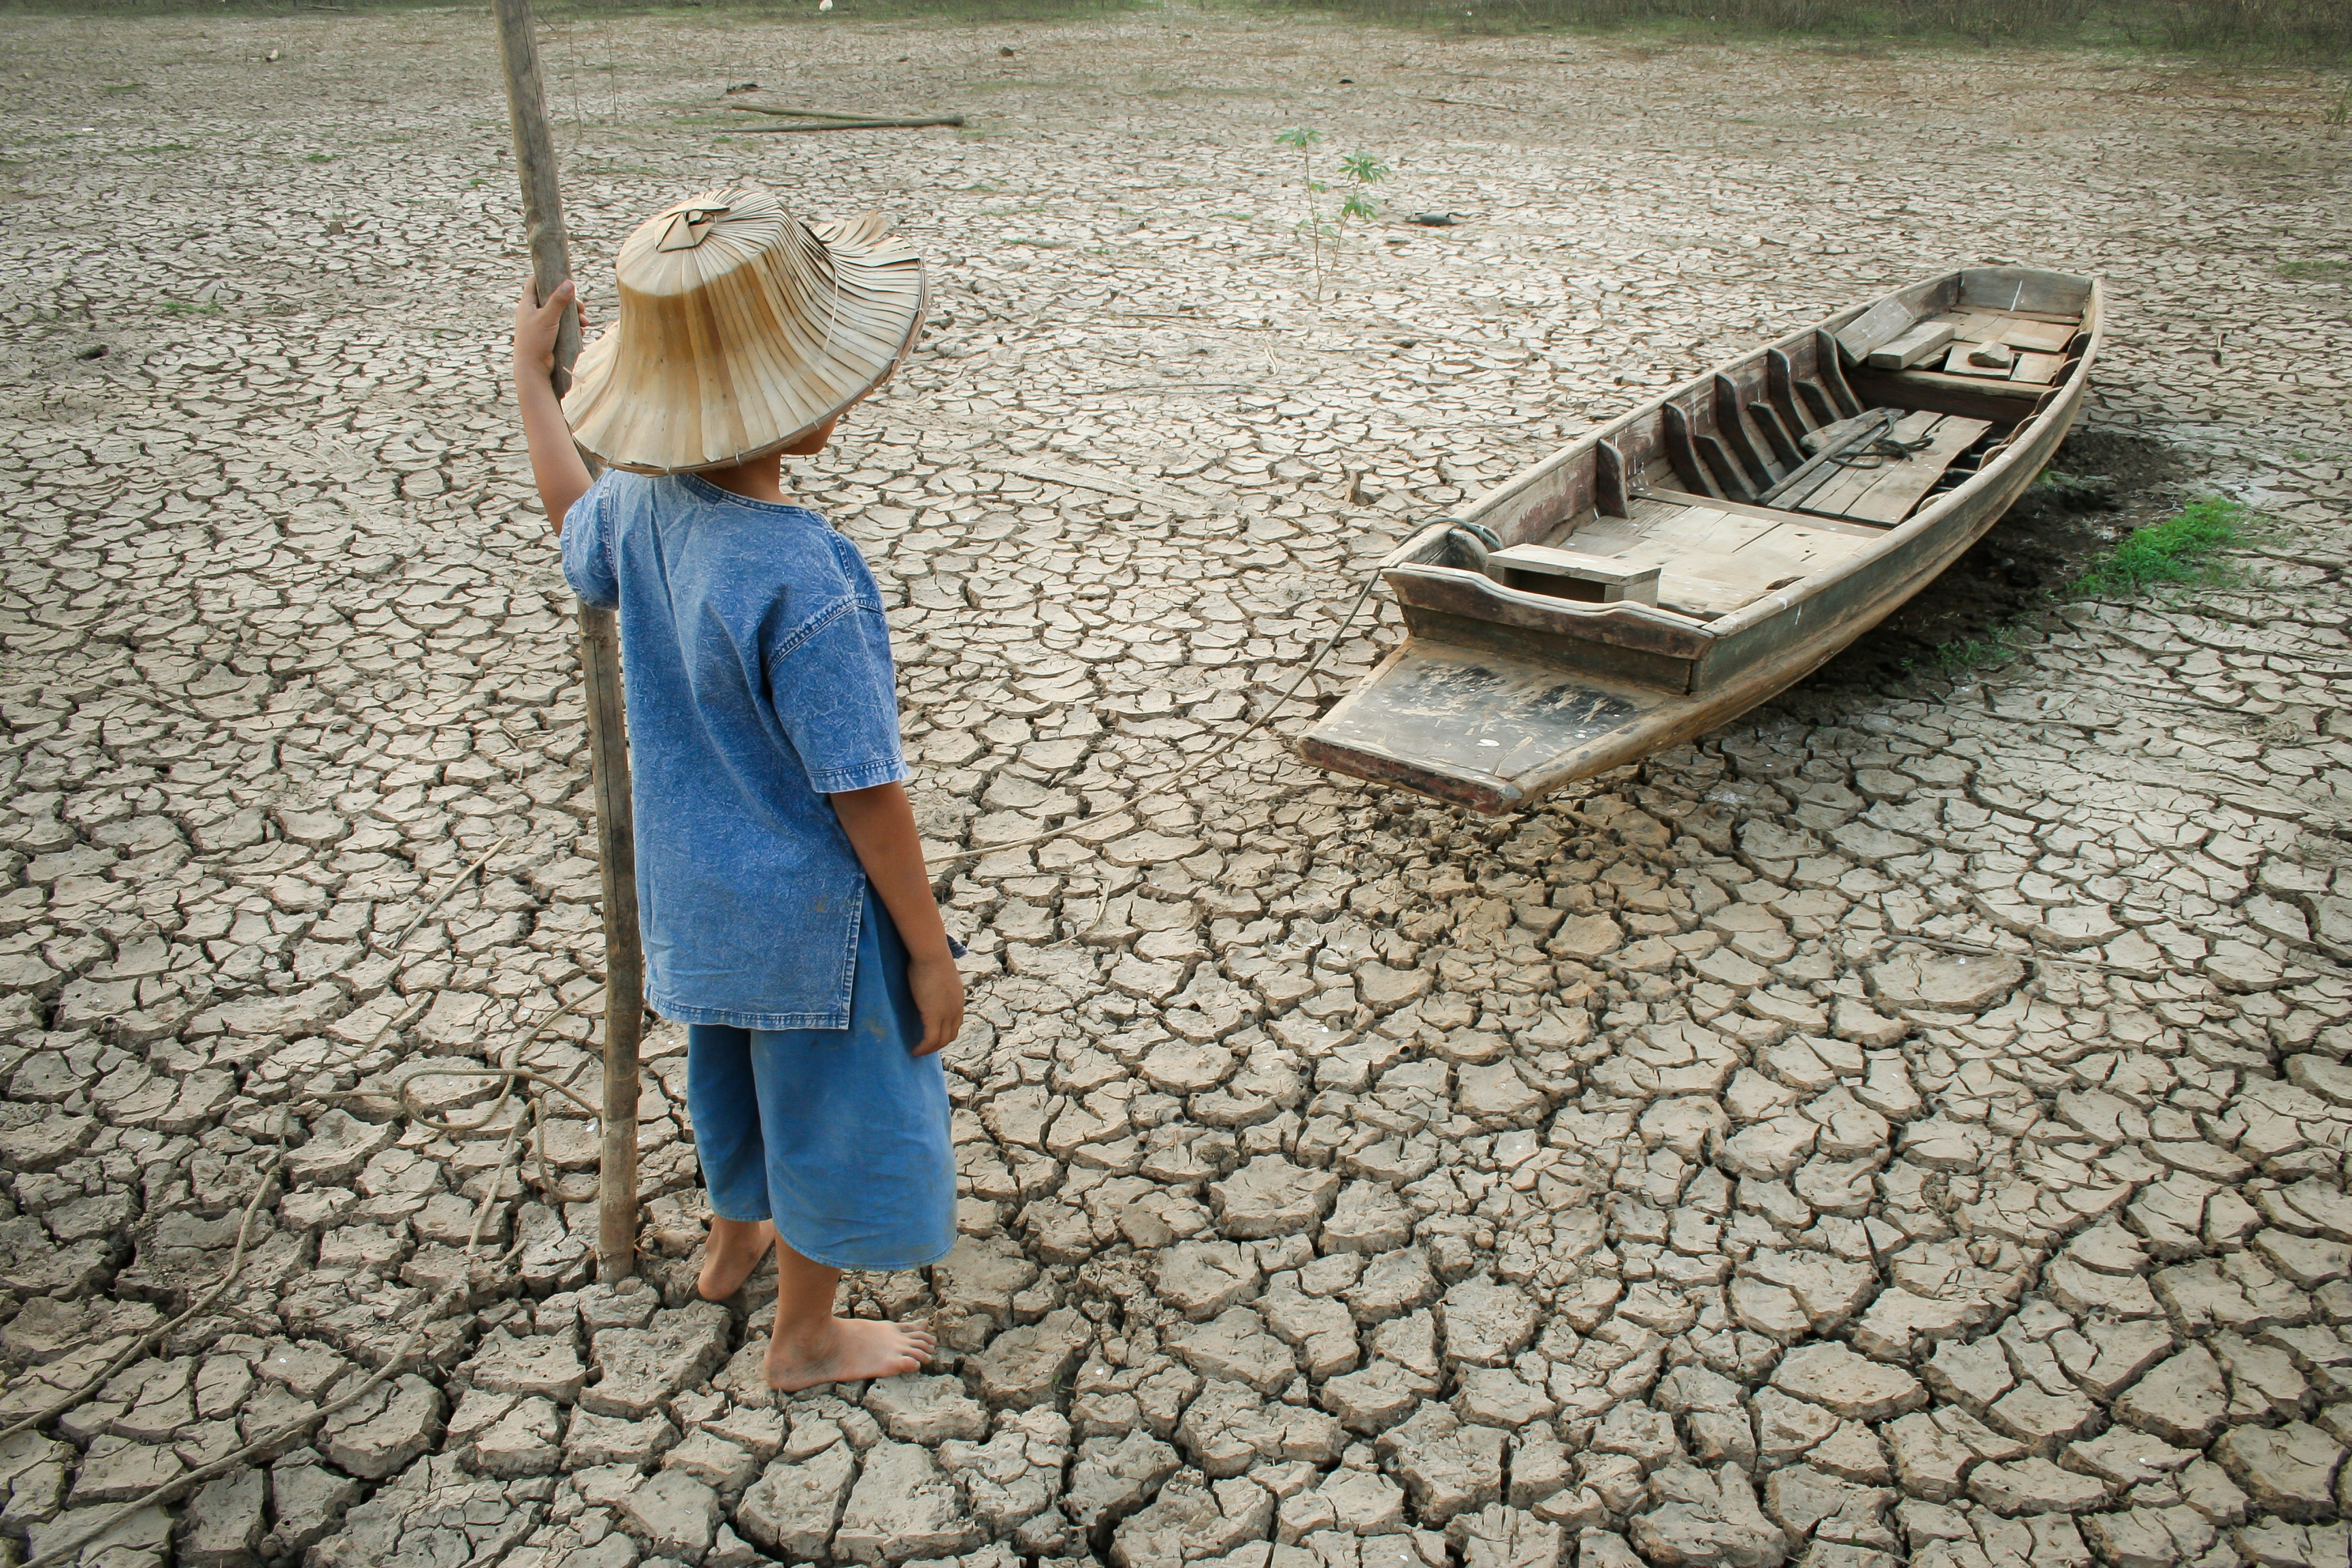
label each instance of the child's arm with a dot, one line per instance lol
(881, 827)
(555, 463)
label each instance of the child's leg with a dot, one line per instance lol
(734, 1249)
(723, 1102)
(810, 1345)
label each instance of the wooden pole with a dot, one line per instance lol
(600, 670)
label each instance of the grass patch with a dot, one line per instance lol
(1998, 645)
(2302, 31)
(866, 10)
(2178, 550)
(2316, 271)
(765, 13)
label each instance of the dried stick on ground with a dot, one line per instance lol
(805, 114)
(857, 124)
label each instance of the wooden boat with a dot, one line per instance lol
(1666, 573)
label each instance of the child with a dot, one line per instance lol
(786, 915)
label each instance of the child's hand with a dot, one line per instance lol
(537, 324)
(939, 997)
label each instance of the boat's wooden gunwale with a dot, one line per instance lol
(1752, 653)
(1457, 592)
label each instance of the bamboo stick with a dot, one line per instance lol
(798, 113)
(600, 670)
(851, 125)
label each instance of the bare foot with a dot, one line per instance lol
(734, 1249)
(848, 1350)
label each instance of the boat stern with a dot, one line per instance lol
(1475, 727)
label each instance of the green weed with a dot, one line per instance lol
(1998, 645)
(1362, 171)
(187, 307)
(319, 158)
(2178, 550)
(2315, 271)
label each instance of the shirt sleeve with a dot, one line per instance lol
(588, 546)
(836, 695)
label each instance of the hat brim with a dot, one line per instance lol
(742, 377)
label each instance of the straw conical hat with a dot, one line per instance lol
(741, 329)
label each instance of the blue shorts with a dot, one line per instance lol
(840, 1136)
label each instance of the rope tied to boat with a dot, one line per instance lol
(1879, 451)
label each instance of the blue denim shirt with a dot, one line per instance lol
(759, 679)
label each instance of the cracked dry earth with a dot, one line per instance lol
(1909, 1126)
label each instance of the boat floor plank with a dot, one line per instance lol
(1715, 559)
(1773, 514)
(1699, 597)
(1833, 487)
(1892, 491)
(2037, 369)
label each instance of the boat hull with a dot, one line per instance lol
(1480, 707)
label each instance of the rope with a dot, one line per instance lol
(261, 1448)
(534, 1116)
(1879, 451)
(454, 883)
(155, 1336)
